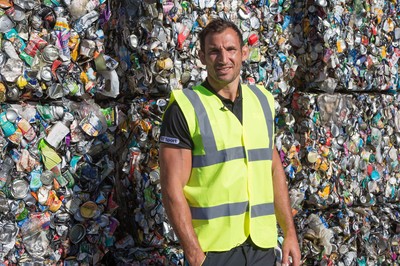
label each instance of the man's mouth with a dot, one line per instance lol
(223, 68)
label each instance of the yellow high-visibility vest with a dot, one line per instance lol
(230, 191)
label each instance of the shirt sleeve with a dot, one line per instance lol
(174, 128)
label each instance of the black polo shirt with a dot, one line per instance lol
(175, 130)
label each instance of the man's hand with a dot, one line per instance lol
(290, 247)
(283, 213)
(175, 168)
(197, 260)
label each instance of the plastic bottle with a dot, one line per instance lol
(184, 32)
(6, 168)
(7, 127)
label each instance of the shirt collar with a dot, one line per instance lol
(207, 85)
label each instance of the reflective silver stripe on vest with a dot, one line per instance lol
(207, 213)
(260, 154)
(212, 155)
(221, 156)
(230, 209)
(262, 210)
(266, 109)
(204, 122)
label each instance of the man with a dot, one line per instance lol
(222, 180)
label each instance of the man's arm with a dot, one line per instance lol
(175, 169)
(283, 212)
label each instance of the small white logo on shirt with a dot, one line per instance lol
(169, 140)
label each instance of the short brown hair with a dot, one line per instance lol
(216, 26)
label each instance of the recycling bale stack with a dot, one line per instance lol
(332, 68)
(58, 175)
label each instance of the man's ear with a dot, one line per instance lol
(245, 52)
(202, 56)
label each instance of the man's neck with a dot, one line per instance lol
(228, 91)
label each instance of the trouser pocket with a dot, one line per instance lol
(207, 261)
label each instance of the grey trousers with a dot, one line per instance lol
(246, 254)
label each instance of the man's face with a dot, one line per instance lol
(223, 57)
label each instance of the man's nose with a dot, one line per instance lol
(223, 56)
